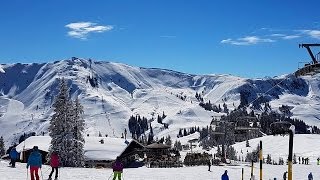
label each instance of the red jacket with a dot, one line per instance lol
(54, 160)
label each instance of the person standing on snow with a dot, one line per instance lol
(35, 162)
(54, 163)
(285, 175)
(14, 155)
(225, 175)
(117, 167)
(209, 164)
(310, 177)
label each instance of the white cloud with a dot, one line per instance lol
(277, 35)
(290, 37)
(81, 30)
(312, 33)
(272, 36)
(248, 40)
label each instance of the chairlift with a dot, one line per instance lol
(309, 68)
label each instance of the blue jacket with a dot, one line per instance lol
(225, 176)
(35, 159)
(14, 154)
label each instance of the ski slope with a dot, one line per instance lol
(304, 145)
(185, 173)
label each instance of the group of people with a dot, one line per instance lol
(304, 160)
(35, 162)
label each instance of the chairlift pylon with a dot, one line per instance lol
(309, 68)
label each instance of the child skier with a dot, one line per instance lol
(117, 167)
(35, 162)
(54, 163)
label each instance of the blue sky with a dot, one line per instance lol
(245, 38)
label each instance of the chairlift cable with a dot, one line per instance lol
(269, 89)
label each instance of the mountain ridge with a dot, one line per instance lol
(112, 92)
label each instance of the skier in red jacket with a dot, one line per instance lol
(54, 163)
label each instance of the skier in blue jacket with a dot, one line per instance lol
(225, 176)
(14, 155)
(35, 162)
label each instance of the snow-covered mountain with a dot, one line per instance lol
(112, 92)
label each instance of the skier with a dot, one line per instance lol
(14, 155)
(285, 175)
(35, 162)
(117, 167)
(54, 163)
(310, 177)
(318, 161)
(225, 176)
(209, 164)
(299, 160)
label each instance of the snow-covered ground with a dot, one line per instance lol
(300, 172)
(304, 145)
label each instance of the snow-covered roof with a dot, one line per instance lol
(94, 149)
(111, 148)
(43, 143)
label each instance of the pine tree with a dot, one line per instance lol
(2, 148)
(247, 143)
(78, 132)
(168, 140)
(66, 129)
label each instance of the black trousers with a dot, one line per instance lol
(54, 168)
(13, 163)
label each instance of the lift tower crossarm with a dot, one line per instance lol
(307, 46)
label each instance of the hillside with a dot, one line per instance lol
(112, 92)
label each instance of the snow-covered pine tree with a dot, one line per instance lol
(63, 129)
(2, 148)
(168, 140)
(78, 132)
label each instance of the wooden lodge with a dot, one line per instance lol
(159, 155)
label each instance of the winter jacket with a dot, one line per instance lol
(54, 160)
(310, 177)
(14, 154)
(35, 159)
(225, 176)
(117, 166)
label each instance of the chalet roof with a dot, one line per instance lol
(93, 149)
(158, 145)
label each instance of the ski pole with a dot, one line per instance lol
(41, 173)
(27, 173)
(110, 176)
